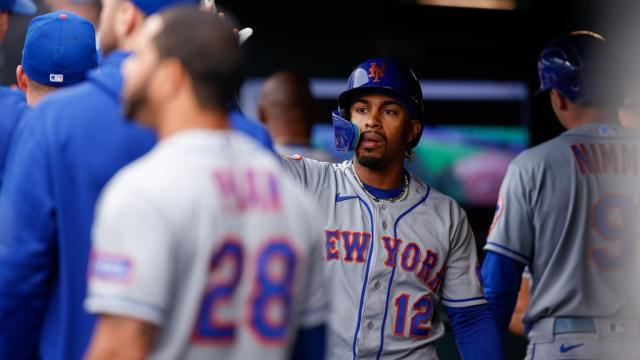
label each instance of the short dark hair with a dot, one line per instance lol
(208, 49)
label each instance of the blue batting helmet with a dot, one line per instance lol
(377, 76)
(568, 64)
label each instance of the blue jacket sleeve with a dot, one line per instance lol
(251, 128)
(476, 332)
(27, 251)
(501, 277)
(309, 344)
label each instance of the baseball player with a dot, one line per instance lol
(568, 210)
(59, 49)
(394, 248)
(202, 249)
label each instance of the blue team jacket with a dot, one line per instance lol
(12, 105)
(64, 152)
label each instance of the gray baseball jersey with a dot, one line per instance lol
(568, 210)
(389, 264)
(204, 238)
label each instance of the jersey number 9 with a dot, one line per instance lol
(613, 217)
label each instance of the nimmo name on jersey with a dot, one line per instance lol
(606, 158)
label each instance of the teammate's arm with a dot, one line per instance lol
(118, 337)
(516, 325)
(131, 267)
(27, 244)
(306, 172)
(475, 331)
(501, 276)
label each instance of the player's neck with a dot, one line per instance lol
(178, 119)
(390, 177)
(584, 115)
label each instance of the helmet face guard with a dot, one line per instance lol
(346, 133)
(378, 76)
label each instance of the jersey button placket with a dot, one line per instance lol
(377, 285)
(374, 303)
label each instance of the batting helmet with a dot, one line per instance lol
(377, 76)
(568, 64)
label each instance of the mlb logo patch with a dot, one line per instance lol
(56, 78)
(111, 267)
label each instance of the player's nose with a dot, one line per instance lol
(372, 120)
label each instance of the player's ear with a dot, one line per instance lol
(128, 19)
(169, 78)
(558, 101)
(262, 114)
(22, 78)
(414, 130)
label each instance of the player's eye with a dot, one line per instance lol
(361, 109)
(389, 111)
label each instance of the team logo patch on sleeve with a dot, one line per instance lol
(111, 267)
(498, 213)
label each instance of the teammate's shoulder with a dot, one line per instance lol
(538, 155)
(9, 93)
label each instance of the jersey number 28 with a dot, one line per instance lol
(269, 302)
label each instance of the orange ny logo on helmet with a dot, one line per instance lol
(376, 71)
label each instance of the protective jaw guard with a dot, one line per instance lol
(346, 133)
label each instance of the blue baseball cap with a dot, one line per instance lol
(150, 7)
(59, 49)
(21, 7)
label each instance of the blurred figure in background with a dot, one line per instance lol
(286, 109)
(9, 7)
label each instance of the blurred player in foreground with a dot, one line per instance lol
(394, 247)
(568, 209)
(201, 249)
(68, 147)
